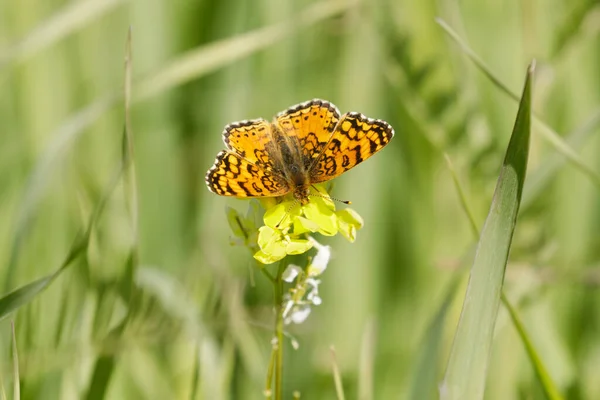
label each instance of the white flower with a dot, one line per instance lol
(288, 306)
(295, 344)
(320, 261)
(299, 314)
(313, 297)
(313, 294)
(291, 272)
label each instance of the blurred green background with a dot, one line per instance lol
(199, 323)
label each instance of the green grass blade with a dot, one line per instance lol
(2, 390)
(172, 297)
(128, 156)
(103, 370)
(426, 367)
(218, 54)
(433, 344)
(571, 25)
(548, 168)
(461, 195)
(550, 389)
(195, 375)
(366, 387)
(546, 131)
(17, 381)
(337, 376)
(41, 176)
(104, 367)
(467, 366)
(74, 16)
(105, 363)
(23, 295)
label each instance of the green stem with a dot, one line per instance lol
(269, 383)
(267, 274)
(279, 332)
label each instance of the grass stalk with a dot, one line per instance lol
(279, 332)
(337, 376)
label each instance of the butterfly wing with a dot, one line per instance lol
(355, 139)
(309, 125)
(232, 175)
(250, 140)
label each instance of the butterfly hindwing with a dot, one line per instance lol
(232, 175)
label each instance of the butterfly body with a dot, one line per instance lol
(306, 144)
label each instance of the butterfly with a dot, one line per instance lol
(306, 144)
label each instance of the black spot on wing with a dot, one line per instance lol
(256, 188)
(345, 161)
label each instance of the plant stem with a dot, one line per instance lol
(268, 275)
(279, 332)
(269, 383)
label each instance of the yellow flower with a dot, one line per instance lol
(287, 222)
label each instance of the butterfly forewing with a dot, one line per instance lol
(310, 124)
(250, 139)
(355, 139)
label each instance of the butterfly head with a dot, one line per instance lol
(301, 194)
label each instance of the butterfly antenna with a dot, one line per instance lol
(329, 197)
(286, 213)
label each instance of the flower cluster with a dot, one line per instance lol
(287, 223)
(288, 226)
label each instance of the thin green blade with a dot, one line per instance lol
(550, 389)
(467, 366)
(16, 379)
(426, 368)
(544, 129)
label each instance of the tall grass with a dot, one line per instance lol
(155, 303)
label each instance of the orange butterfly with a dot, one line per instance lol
(306, 144)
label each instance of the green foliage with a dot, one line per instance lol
(466, 372)
(118, 268)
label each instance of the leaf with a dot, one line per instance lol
(550, 389)
(426, 367)
(546, 131)
(103, 370)
(461, 195)
(466, 369)
(16, 379)
(23, 295)
(235, 223)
